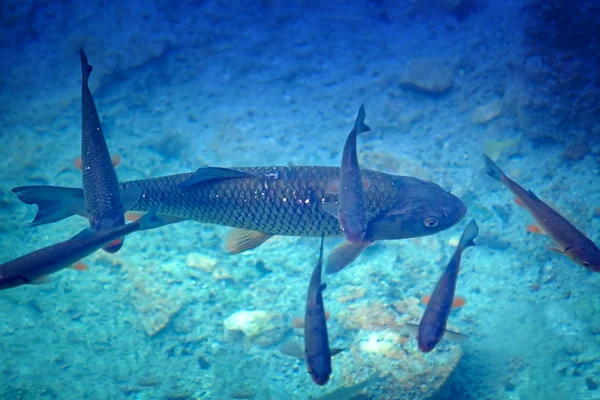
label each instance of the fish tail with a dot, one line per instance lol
(470, 233)
(86, 69)
(54, 203)
(492, 169)
(359, 124)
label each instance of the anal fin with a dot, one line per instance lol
(240, 240)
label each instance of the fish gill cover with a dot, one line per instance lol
(202, 84)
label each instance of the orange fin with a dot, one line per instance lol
(458, 301)
(133, 216)
(535, 229)
(240, 240)
(116, 160)
(80, 266)
(519, 202)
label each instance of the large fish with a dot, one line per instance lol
(101, 193)
(32, 267)
(350, 209)
(267, 201)
(433, 324)
(316, 342)
(569, 239)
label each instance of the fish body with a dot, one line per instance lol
(273, 201)
(570, 240)
(351, 202)
(99, 180)
(316, 342)
(433, 324)
(40, 263)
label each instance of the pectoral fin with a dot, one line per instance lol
(330, 208)
(240, 240)
(557, 250)
(455, 337)
(343, 255)
(41, 280)
(130, 196)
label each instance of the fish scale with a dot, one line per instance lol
(288, 204)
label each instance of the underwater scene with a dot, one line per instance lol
(300, 199)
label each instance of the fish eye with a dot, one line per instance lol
(586, 264)
(431, 222)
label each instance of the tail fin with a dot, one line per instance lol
(86, 69)
(470, 233)
(54, 202)
(492, 169)
(359, 124)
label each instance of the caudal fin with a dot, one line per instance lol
(492, 169)
(54, 202)
(86, 69)
(470, 233)
(359, 124)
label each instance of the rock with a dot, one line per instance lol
(200, 261)
(430, 75)
(260, 327)
(487, 112)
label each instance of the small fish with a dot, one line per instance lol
(103, 203)
(316, 342)
(350, 210)
(570, 241)
(36, 266)
(433, 324)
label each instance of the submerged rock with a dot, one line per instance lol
(260, 327)
(430, 75)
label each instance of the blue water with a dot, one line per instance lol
(215, 83)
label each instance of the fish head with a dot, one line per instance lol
(587, 255)
(354, 226)
(429, 336)
(106, 223)
(319, 369)
(423, 208)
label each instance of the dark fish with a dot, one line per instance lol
(32, 267)
(316, 342)
(569, 239)
(350, 209)
(433, 324)
(267, 201)
(101, 193)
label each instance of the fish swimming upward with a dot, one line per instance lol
(570, 241)
(351, 208)
(433, 324)
(316, 342)
(31, 268)
(267, 201)
(103, 203)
